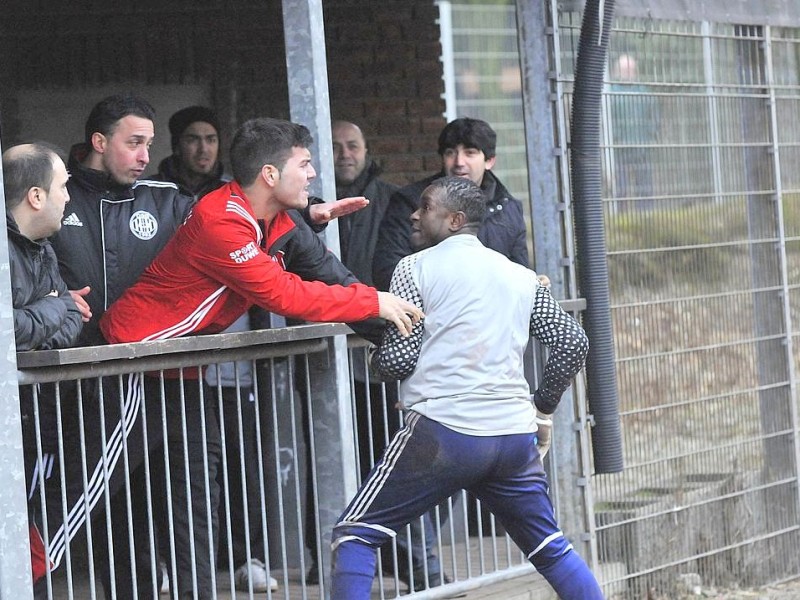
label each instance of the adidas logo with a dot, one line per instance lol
(72, 220)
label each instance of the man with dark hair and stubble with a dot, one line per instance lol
(195, 162)
(220, 262)
(115, 224)
(195, 166)
(468, 149)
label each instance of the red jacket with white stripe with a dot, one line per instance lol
(215, 267)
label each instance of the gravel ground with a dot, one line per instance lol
(785, 591)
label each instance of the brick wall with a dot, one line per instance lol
(383, 63)
(385, 75)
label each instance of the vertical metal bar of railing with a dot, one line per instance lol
(713, 118)
(784, 263)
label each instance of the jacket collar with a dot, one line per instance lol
(90, 179)
(15, 234)
(168, 171)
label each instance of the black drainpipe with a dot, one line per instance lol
(590, 238)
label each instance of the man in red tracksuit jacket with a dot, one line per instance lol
(218, 264)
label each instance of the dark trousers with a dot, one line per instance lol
(426, 463)
(113, 434)
(244, 501)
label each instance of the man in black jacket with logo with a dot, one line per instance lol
(116, 223)
(467, 147)
(114, 226)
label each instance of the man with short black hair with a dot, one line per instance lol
(464, 393)
(246, 244)
(194, 163)
(195, 167)
(468, 149)
(115, 225)
(219, 263)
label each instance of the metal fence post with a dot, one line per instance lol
(788, 343)
(15, 562)
(553, 251)
(330, 395)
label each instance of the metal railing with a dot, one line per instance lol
(287, 464)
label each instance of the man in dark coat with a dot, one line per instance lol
(467, 147)
(358, 175)
(45, 315)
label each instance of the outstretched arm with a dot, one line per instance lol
(324, 212)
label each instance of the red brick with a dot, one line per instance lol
(424, 144)
(433, 125)
(402, 52)
(348, 111)
(388, 144)
(407, 163)
(433, 86)
(429, 106)
(432, 163)
(406, 88)
(387, 108)
(397, 126)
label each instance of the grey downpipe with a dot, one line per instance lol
(601, 374)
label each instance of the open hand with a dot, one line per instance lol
(327, 211)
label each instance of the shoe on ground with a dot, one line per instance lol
(434, 580)
(164, 589)
(254, 572)
(312, 577)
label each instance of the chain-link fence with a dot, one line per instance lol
(700, 147)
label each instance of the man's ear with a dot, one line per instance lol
(457, 220)
(270, 174)
(490, 163)
(99, 142)
(34, 198)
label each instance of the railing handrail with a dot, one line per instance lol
(43, 366)
(113, 359)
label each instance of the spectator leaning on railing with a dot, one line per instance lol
(196, 168)
(45, 315)
(221, 262)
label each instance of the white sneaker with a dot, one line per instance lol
(254, 571)
(164, 580)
